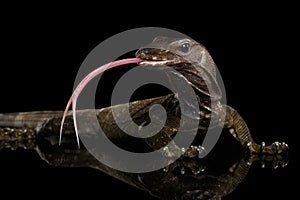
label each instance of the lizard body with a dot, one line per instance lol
(192, 62)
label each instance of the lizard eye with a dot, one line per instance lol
(185, 47)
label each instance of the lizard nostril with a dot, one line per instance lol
(143, 53)
(140, 54)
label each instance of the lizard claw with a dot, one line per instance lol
(262, 147)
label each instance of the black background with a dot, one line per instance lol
(255, 48)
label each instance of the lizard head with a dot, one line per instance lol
(176, 52)
(188, 57)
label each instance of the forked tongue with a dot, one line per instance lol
(81, 86)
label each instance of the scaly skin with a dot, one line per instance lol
(193, 62)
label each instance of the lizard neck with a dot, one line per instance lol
(204, 85)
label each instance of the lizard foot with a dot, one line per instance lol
(273, 149)
(191, 152)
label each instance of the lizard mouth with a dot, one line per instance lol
(158, 57)
(154, 62)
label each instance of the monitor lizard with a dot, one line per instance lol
(193, 62)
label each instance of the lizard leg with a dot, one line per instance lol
(239, 130)
(162, 139)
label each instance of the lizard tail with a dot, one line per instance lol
(27, 119)
(20, 129)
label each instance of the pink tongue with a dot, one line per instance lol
(81, 86)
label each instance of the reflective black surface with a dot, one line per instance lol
(221, 175)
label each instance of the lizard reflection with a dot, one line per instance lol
(187, 178)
